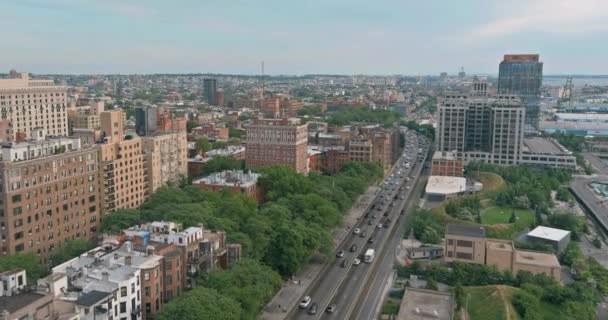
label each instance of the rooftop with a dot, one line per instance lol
(229, 178)
(439, 155)
(423, 304)
(539, 145)
(536, 258)
(547, 233)
(467, 230)
(92, 298)
(445, 185)
(19, 301)
(499, 245)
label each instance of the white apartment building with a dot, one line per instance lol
(26, 104)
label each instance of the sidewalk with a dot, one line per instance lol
(293, 290)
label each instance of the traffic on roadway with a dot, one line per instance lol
(333, 293)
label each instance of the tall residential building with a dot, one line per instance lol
(124, 173)
(276, 142)
(26, 104)
(488, 129)
(522, 74)
(210, 90)
(146, 119)
(49, 194)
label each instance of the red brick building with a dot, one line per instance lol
(276, 142)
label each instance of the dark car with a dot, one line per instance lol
(370, 222)
(363, 234)
(331, 308)
(343, 264)
(353, 248)
(371, 240)
(340, 254)
(313, 308)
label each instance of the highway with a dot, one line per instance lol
(342, 281)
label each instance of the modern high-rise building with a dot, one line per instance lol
(146, 119)
(210, 90)
(522, 74)
(26, 104)
(49, 194)
(276, 142)
(490, 129)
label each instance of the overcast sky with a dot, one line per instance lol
(302, 36)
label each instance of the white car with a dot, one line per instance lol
(357, 231)
(305, 302)
(357, 262)
(379, 226)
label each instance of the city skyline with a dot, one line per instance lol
(354, 37)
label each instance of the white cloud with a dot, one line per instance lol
(546, 16)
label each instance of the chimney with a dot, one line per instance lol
(128, 260)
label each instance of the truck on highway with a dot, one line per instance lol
(369, 255)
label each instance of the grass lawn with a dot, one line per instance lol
(490, 303)
(490, 181)
(496, 215)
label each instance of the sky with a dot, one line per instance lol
(379, 37)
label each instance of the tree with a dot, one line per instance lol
(521, 202)
(70, 249)
(28, 261)
(430, 235)
(248, 282)
(201, 303)
(119, 220)
(203, 145)
(191, 125)
(568, 222)
(513, 217)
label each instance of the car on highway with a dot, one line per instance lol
(363, 234)
(374, 216)
(353, 248)
(357, 262)
(340, 254)
(371, 240)
(370, 222)
(379, 226)
(313, 309)
(343, 264)
(305, 302)
(357, 231)
(331, 308)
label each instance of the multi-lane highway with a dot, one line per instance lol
(342, 281)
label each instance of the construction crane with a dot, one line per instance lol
(567, 93)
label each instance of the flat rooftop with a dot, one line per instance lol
(536, 258)
(467, 230)
(499, 245)
(547, 233)
(439, 155)
(19, 301)
(446, 185)
(229, 178)
(420, 304)
(543, 146)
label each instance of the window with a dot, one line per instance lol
(464, 243)
(462, 255)
(16, 198)
(169, 279)
(123, 292)
(147, 276)
(450, 242)
(147, 291)
(123, 307)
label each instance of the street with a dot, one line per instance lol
(342, 282)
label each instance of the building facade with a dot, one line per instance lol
(26, 104)
(276, 142)
(50, 194)
(123, 165)
(166, 157)
(210, 90)
(522, 74)
(233, 181)
(446, 164)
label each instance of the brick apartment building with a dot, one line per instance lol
(49, 194)
(236, 181)
(276, 142)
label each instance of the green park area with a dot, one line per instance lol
(504, 215)
(490, 303)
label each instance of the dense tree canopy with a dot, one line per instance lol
(384, 117)
(28, 261)
(201, 303)
(71, 249)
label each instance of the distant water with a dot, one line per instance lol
(577, 81)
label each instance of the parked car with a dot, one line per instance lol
(340, 254)
(313, 309)
(357, 262)
(356, 231)
(353, 248)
